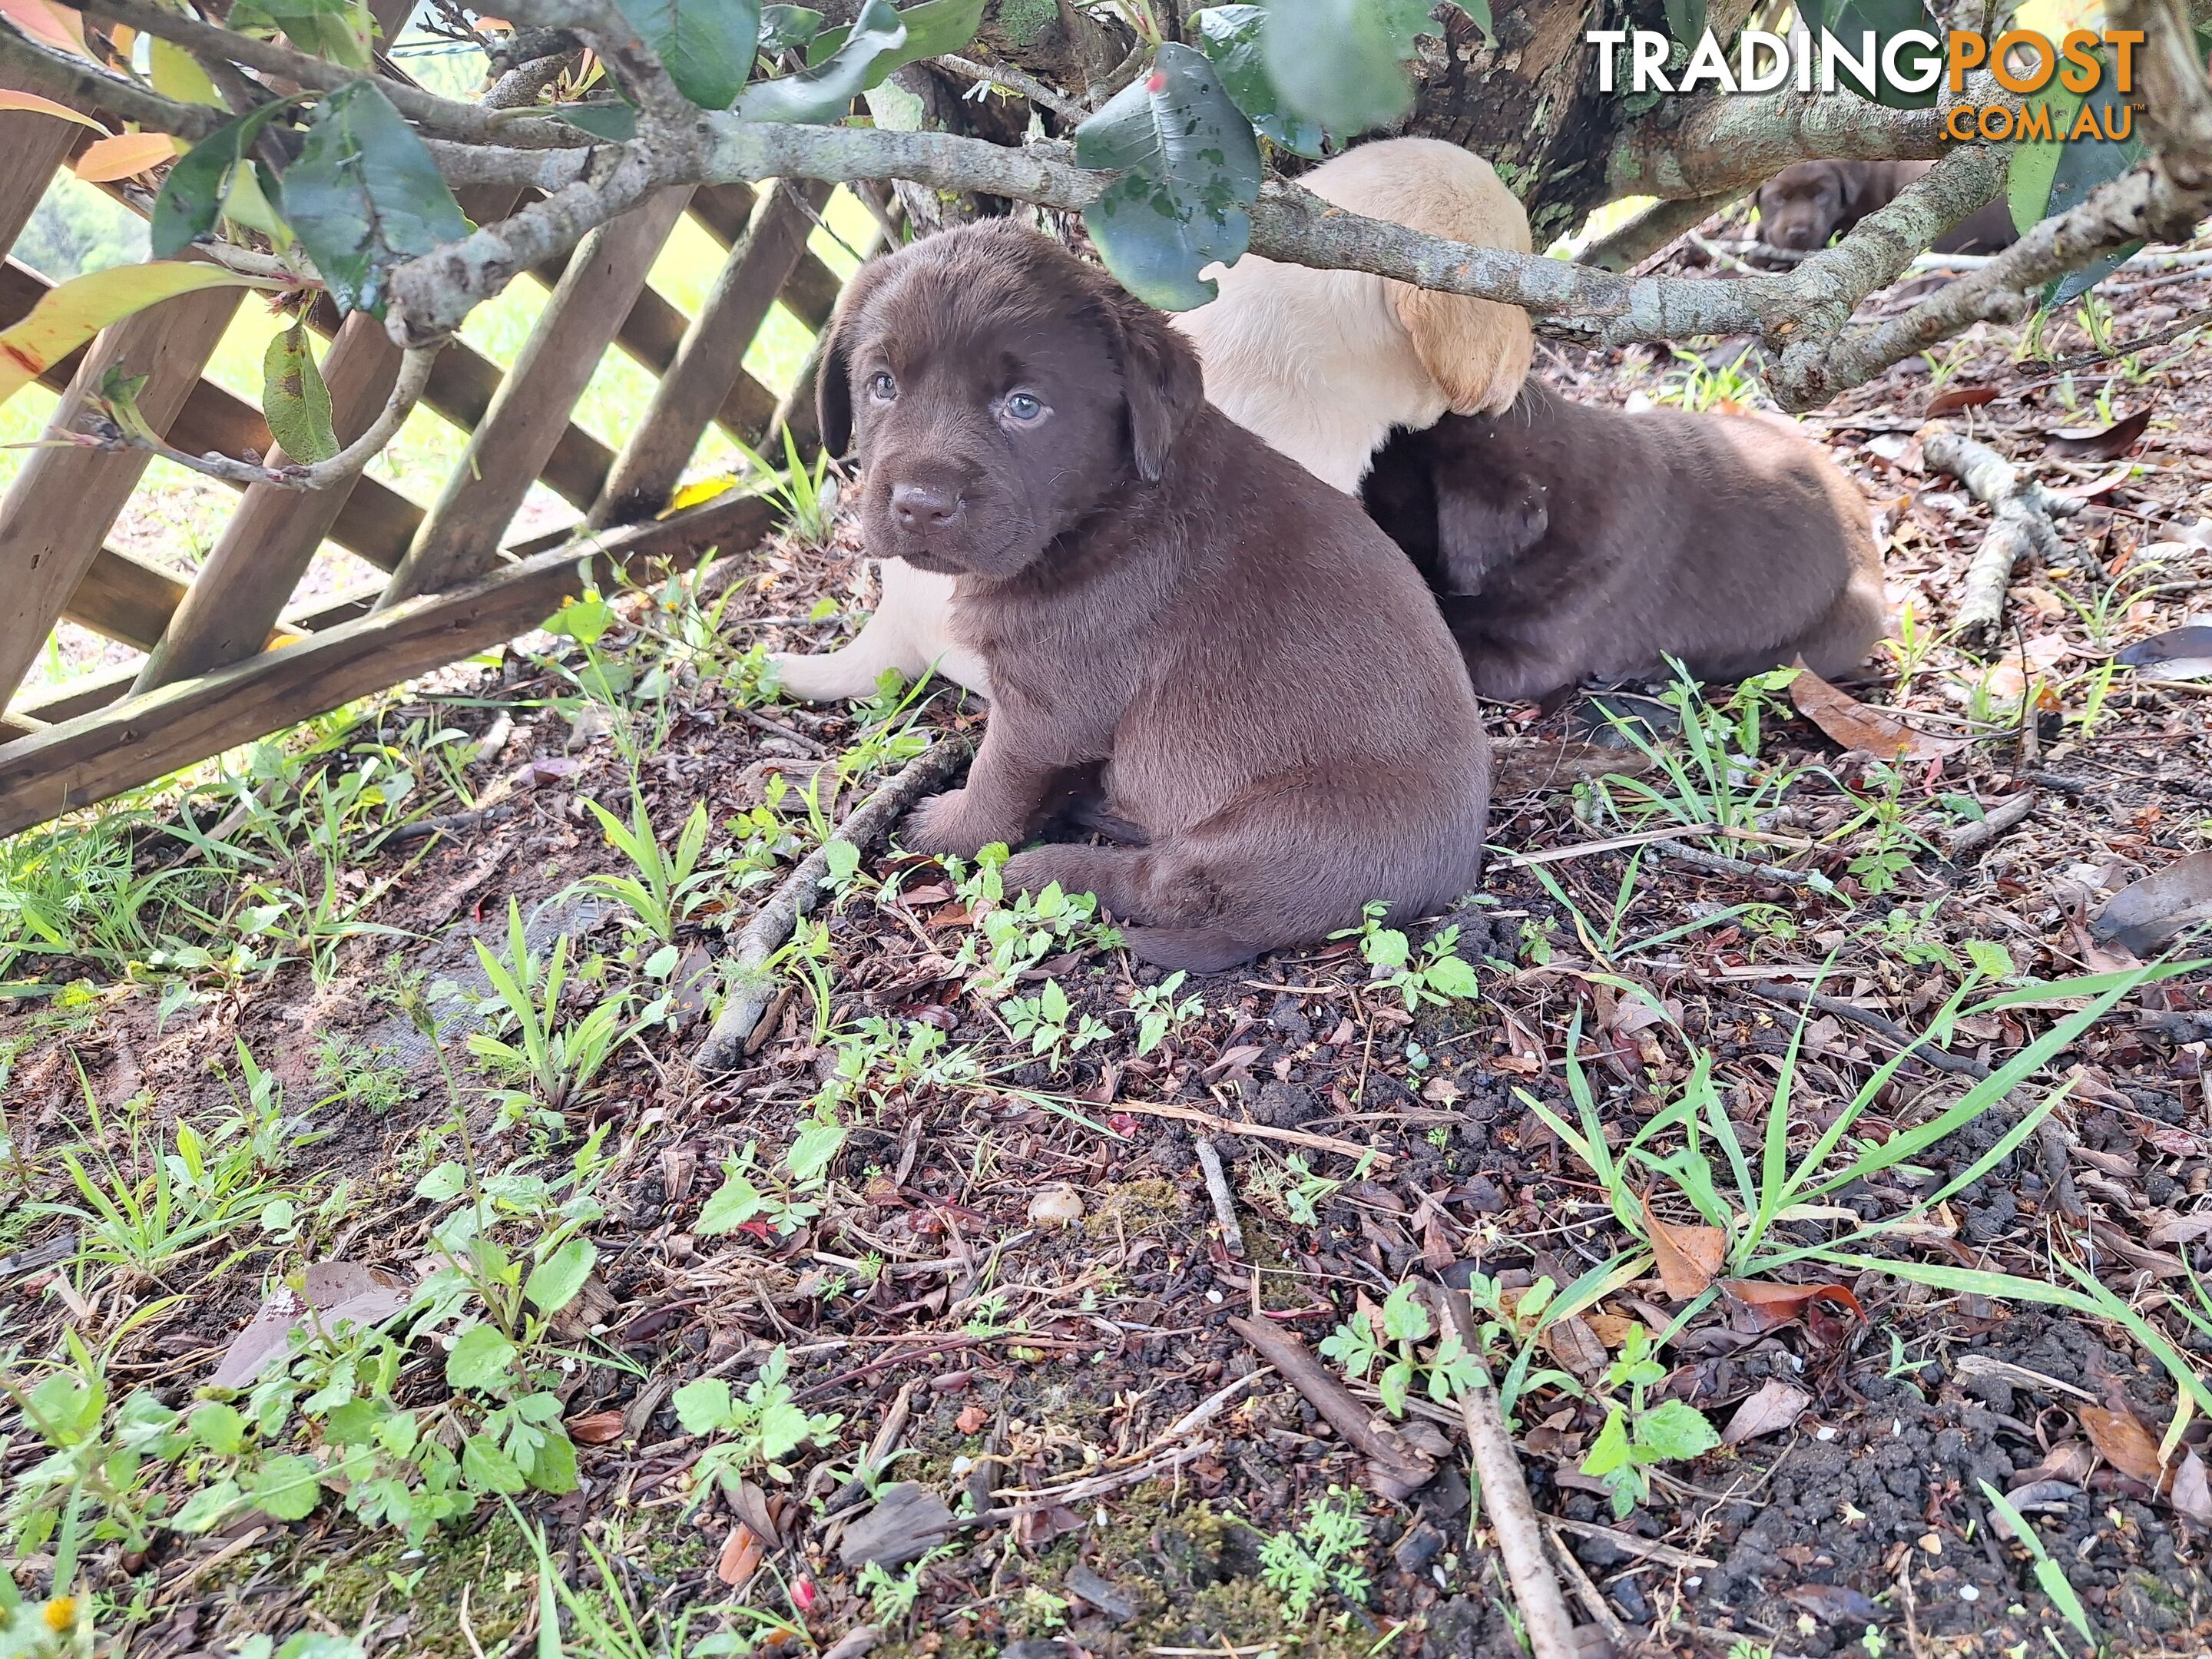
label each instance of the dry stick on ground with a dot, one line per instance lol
(1397, 1469)
(2020, 512)
(1505, 1496)
(1941, 1059)
(765, 933)
(1217, 1187)
(1223, 1126)
(2005, 815)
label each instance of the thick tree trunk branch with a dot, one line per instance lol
(1703, 146)
(83, 85)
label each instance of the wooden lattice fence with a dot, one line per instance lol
(230, 656)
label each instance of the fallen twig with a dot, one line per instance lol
(1629, 1543)
(1722, 864)
(2005, 815)
(1223, 1126)
(1941, 1059)
(1505, 1498)
(1616, 1633)
(451, 823)
(1217, 1187)
(765, 933)
(2020, 514)
(1397, 1470)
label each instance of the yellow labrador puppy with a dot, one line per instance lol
(1321, 364)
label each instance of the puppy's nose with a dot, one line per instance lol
(924, 507)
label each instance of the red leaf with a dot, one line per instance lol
(1960, 397)
(2106, 445)
(1768, 1307)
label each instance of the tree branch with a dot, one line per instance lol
(446, 116)
(1721, 142)
(406, 393)
(2161, 199)
(83, 85)
(600, 24)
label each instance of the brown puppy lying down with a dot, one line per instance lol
(1801, 207)
(1263, 687)
(1566, 542)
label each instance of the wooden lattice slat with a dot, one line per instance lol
(101, 754)
(710, 358)
(460, 538)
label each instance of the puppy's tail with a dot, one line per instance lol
(1193, 949)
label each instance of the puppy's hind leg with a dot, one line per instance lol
(1120, 877)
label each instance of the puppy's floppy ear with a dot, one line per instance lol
(1477, 351)
(832, 371)
(1479, 532)
(1162, 386)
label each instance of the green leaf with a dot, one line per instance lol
(554, 1468)
(826, 91)
(486, 1468)
(932, 28)
(1231, 37)
(1451, 976)
(208, 1507)
(192, 192)
(1395, 1384)
(554, 1282)
(1686, 21)
(703, 1407)
(220, 1428)
(707, 47)
(177, 74)
(610, 118)
(482, 1357)
(1341, 63)
(448, 1181)
(813, 1149)
(1989, 957)
(1850, 19)
(784, 1428)
(1676, 1430)
(841, 859)
(1404, 1318)
(288, 1488)
(1190, 165)
(365, 196)
(734, 1203)
(295, 398)
(1608, 1453)
(782, 27)
(340, 30)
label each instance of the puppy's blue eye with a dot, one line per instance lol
(1024, 406)
(881, 387)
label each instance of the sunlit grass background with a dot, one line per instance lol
(176, 516)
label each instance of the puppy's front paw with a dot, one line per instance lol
(941, 824)
(819, 678)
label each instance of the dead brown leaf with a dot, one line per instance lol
(1772, 1409)
(1576, 1347)
(1952, 398)
(596, 1430)
(1857, 725)
(2144, 914)
(328, 1292)
(741, 1557)
(2100, 444)
(1689, 1257)
(2192, 1494)
(971, 1419)
(2122, 1440)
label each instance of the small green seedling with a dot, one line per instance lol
(1637, 1435)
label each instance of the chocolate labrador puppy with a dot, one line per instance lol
(1566, 542)
(1269, 702)
(1801, 207)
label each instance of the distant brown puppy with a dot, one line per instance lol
(1566, 542)
(1269, 700)
(1803, 206)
